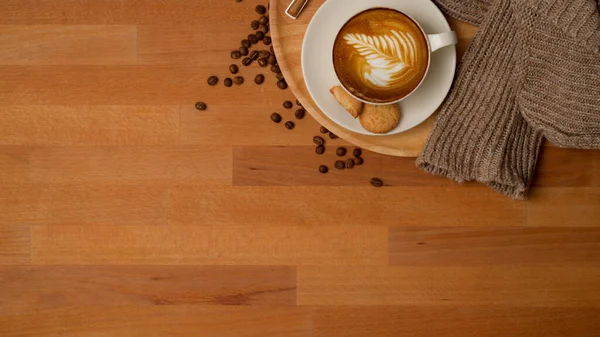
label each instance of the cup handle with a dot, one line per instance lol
(437, 41)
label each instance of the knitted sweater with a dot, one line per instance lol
(532, 71)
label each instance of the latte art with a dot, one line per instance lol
(390, 58)
(380, 55)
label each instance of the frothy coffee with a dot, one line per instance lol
(380, 55)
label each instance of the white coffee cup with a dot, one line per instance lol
(434, 42)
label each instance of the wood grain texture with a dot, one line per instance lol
(124, 211)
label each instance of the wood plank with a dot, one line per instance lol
(299, 205)
(14, 245)
(210, 12)
(298, 166)
(68, 44)
(180, 245)
(564, 207)
(455, 321)
(89, 125)
(544, 286)
(464, 246)
(558, 167)
(155, 321)
(115, 165)
(40, 286)
(82, 205)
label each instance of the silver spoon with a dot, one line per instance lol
(295, 8)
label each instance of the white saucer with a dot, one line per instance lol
(319, 76)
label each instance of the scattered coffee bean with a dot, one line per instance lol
(323, 169)
(279, 77)
(252, 38)
(323, 130)
(275, 117)
(260, 35)
(233, 69)
(357, 152)
(264, 29)
(300, 113)
(239, 0)
(267, 40)
(243, 51)
(350, 163)
(275, 68)
(272, 50)
(238, 80)
(264, 54)
(236, 54)
(376, 182)
(213, 80)
(254, 55)
(287, 104)
(247, 61)
(271, 59)
(298, 103)
(332, 135)
(263, 20)
(201, 106)
(246, 43)
(289, 125)
(259, 79)
(254, 24)
(281, 84)
(228, 82)
(358, 161)
(341, 151)
(340, 165)
(260, 9)
(320, 149)
(263, 62)
(318, 140)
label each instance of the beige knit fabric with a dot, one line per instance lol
(532, 71)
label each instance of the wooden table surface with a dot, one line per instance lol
(126, 212)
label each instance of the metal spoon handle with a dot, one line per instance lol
(295, 8)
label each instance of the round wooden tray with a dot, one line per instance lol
(287, 37)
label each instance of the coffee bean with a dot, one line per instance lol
(243, 51)
(318, 140)
(275, 117)
(275, 68)
(289, 125)
(279, 77)
(254, 55)
(323, 130)
(201, 106)
(239, 0)
(264, 29)
(357, 152)
(260, 9)
(252, 38)
(264, 54)
(263, 62)
(260, 35)
(287, 104)
(263, 20)
(320, 149)
(281, 84)
(246, 43)
(233, 69)
(298, 103)
(376, 182)
(300, 113)
(238, 80)
(254, 24)
(340, 165)
(332, 135)
(267, 40)
(259, 79)
(341, 151)
(236, 54)
(272, 50)
(228, 82)
(323, 169)
(358, 161)
(247, 61)
(350, 163)
(272, 59)
(213, 80)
